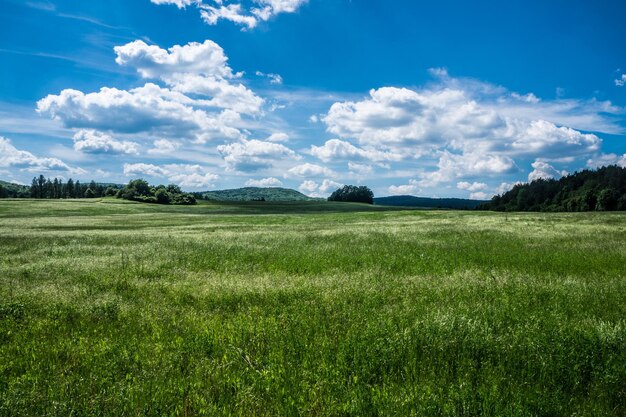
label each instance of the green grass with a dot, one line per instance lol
(116, 308)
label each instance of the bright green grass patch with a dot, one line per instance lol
(116, 308)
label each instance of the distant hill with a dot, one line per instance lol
(600, 190)
(412, 201)
(254, 194)
(9, 189)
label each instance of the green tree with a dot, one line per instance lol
(162, 196)
(89, 193)
(607, 200)
(110, 192)
(352, 193)
(69, 189)
(34, 189)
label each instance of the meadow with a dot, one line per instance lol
(113, 308)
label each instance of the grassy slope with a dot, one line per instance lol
(115, 308)
(255, 193)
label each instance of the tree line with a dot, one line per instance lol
(136, 190)
(46, 188)
(589, 190)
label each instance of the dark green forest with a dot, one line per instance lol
(589, 190)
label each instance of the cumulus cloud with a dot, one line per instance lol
(310, 170)
(412, 188)
(473, 187)
(164, 147)
(92, 141)
(201, 101)
(187, 176)
(360, 169)
(264, 182)
(505, 186)
(323, 189)
(543, 170)
(253, 155)
(607, 159)
(480, 195)
(200, 69)
(621, 81)
(420, 122)
(336, 149)
(11, 157)
(147, 109)
(464, 128)
(192, 95)
(152, 61)
(452, 166)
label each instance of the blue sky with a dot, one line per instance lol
(440, 98)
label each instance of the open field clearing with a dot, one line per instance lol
(117, 308)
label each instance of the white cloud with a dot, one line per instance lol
(11, 157)
(200, 69)
(607, 159)
(505, 186)
(253, 155)
(337, 149)
(310, 170)
(543, 170)
(621, 81)
(360, 169)
(274, 78)
(465, 127)
(278, 137)
(232, 12)
(212, 11)
(472, 187)
(187, 176)
(93, 141)
(480, 195)
(200, 103)
(412, 188)
(147, 109)
(265, 182)
(323, 189)
(164, 147)
(419, 122)
(151, 61)
(223, 94)
(308, 187)
(454, 166)
(179, 3)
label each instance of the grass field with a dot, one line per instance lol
(110, 308)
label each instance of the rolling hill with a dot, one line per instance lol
(9, 189)
(254, 194)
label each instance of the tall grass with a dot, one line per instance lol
(111, 308)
